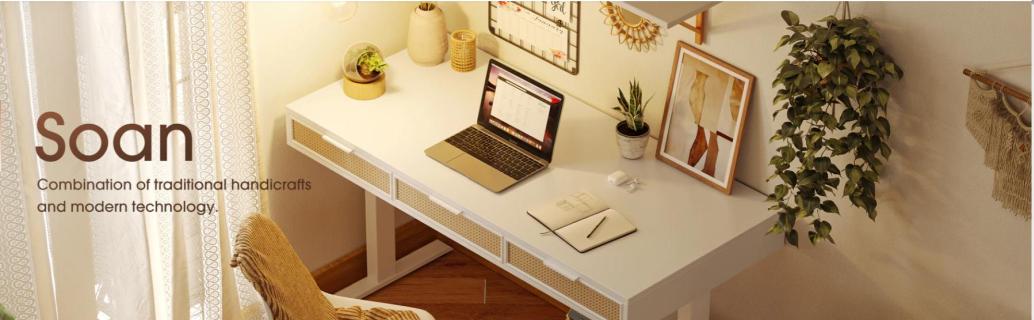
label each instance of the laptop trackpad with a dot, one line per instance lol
(481, 172)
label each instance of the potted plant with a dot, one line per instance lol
(364, 69)
(633, 133)
(834, 103)
(370, 66)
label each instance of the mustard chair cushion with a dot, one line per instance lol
(271, 264)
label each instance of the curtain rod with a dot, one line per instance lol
(1007, 89)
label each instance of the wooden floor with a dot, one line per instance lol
(458, 287)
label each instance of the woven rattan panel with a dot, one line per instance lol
(350, 162)
(577, 291)
(477, 234)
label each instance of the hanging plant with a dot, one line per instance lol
(834, 103)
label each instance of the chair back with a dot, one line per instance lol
(271, 264)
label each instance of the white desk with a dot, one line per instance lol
(691, 237)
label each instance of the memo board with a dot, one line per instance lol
(546, 29)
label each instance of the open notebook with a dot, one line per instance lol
(582, 220)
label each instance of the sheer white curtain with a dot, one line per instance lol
(112, 64)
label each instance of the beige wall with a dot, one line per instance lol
(296, 49)
(941, 247)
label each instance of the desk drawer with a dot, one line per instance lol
(346, 160)
(456, 222)
(573, 289)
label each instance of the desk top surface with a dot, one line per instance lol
(679, 218)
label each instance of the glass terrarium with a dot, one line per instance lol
(364, 63)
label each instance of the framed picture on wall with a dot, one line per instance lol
(704, 116)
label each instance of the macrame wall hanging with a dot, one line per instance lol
(1003, 131)
(635, 32)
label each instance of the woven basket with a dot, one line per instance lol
(463, 50)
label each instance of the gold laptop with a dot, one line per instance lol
(514, 134)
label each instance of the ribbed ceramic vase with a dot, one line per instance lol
(428, 39)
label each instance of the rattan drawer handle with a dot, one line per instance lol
(444, 205)
(338, 145)
(563, 271)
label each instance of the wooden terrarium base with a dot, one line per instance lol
(364, 91)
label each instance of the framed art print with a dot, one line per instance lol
(704, 116)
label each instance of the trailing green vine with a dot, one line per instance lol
(834, 103)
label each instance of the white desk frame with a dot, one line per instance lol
(691, 238)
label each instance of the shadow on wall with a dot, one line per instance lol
(297, 215)
(941, 248)
(454, 16)
(807, 274)
(951, 239)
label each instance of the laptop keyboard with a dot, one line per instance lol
(494, 153)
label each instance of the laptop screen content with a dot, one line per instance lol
(520, 109)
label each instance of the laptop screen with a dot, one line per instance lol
(520, 109)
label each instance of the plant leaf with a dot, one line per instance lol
(822, 164)
(823, 228)
(885, 150)
(854, 173)
(789, 177)
(829, 206)
(889, 68)
(851, 91)
(825, 69)
(782, 41)
(853, 58)
(864, 98)
(883, 125)
(790, 18)
(781, 190)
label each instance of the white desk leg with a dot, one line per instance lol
(380, 238)
(381, 266)
(697, 309)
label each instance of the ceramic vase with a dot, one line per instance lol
(632, 146)
(428, 39)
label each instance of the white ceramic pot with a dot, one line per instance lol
(632, 146)
(428, 39)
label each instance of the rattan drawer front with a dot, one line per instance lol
(350, 162)
(577, 291)
(466, 228)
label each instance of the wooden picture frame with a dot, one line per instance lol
(704, 115)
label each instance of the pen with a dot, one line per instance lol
(596, 227)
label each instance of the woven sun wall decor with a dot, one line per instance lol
(546, 29)
(642, 35)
